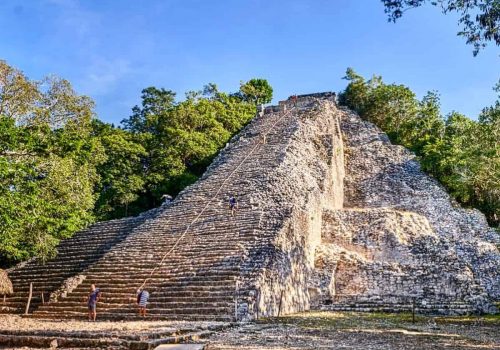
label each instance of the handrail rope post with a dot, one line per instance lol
(29, 299)
(281, 301)
(236, 302)
(413, 310)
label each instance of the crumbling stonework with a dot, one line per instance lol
(67, 287)
(400, 238)
(384, 255)
(331, 215)
(308, 178)
(385, 175)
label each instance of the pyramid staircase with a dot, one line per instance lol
(74, 256)
(198, 279)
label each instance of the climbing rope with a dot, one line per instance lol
(214, 196)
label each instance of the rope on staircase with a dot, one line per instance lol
(258, 143)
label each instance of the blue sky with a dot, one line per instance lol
(112, 49)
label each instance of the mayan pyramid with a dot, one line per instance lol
(331, 215)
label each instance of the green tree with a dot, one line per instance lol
(480, 19)
(256, 91)
(154, 102)
(60, 168)
(456, 158)
(356, 93)
(389, 106)
(47, 164)
(182, 138)
(464, 155)
(121, 174)
(487, 181)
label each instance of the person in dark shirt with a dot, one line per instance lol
(167, 199)
(233, 204)
(92, 300)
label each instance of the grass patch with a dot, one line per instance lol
(484, 319)
(377, 320)
(343, 320)
(358, 330)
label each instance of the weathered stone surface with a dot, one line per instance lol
(67, 287)
(60, 274)
(390, 256)
(181, 347)
(400, 235)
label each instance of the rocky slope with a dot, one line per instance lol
(400, 237)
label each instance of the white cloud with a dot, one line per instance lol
(75, 20)
(82, 27)
(103, 74)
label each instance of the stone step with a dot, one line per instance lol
(172, 279)
(139, 260)
(181, 294)
(174, 292)
(139, 254)
(133, 316)
(153, 305)
(208, 224)
(103, 341)
(115, 264)
(129, 271)
(111, 287)
(178, 293)
(155, 333)
(153, 301)
(124, 282)
(456, 308)
(162, 272)
(126, 309)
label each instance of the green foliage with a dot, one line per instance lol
(61, 169)
(47, 164)
(121, 181)
(257, 91)
(181, 139)
(463, 154)
(480, 19)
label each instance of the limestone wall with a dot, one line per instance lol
(384, 175)
(386, 253)
(308, 179)
(400, 235)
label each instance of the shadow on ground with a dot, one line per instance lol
(337, 330)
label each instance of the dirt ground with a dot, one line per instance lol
(336, 330)
(18, 332)
(311, 330)
(18, 323)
